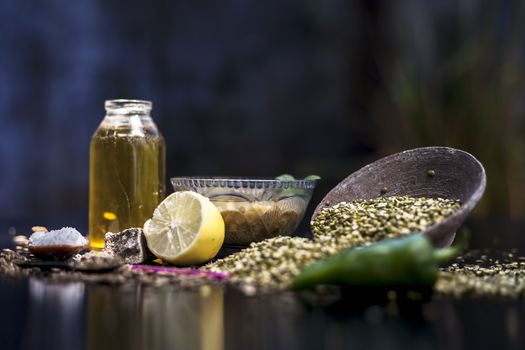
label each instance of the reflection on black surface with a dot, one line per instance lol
(39, 314)
(367, 319)
(263, 322)
(54, 314)
(155, 318)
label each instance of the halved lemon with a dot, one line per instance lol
(186, 229)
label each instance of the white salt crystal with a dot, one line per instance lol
(64, 236)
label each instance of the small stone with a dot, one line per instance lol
(129, 245)
(21, 240)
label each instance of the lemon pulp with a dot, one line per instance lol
(186, 228)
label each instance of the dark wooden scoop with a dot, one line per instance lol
(457, 175)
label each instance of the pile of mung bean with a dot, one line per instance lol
(485, 277)
(348, 224)
(272, 263)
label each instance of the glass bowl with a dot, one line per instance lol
(253, 209)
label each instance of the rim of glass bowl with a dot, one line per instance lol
(241, 182)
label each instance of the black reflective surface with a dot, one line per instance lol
(38, 314)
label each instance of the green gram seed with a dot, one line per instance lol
(272, 263)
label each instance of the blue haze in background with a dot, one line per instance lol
(238, 87)
(258, 89)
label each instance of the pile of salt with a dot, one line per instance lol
(65, 236)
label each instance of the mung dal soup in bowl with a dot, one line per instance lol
(254, 209)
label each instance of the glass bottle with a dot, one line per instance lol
(127, 169)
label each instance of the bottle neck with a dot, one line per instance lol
(129, 117)
(128, 108)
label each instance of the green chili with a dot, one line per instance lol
(408, 261)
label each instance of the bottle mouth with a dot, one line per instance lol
(123, 106)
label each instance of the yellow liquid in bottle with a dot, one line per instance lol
(127, 174)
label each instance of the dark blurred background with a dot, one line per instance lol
(260, 88)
